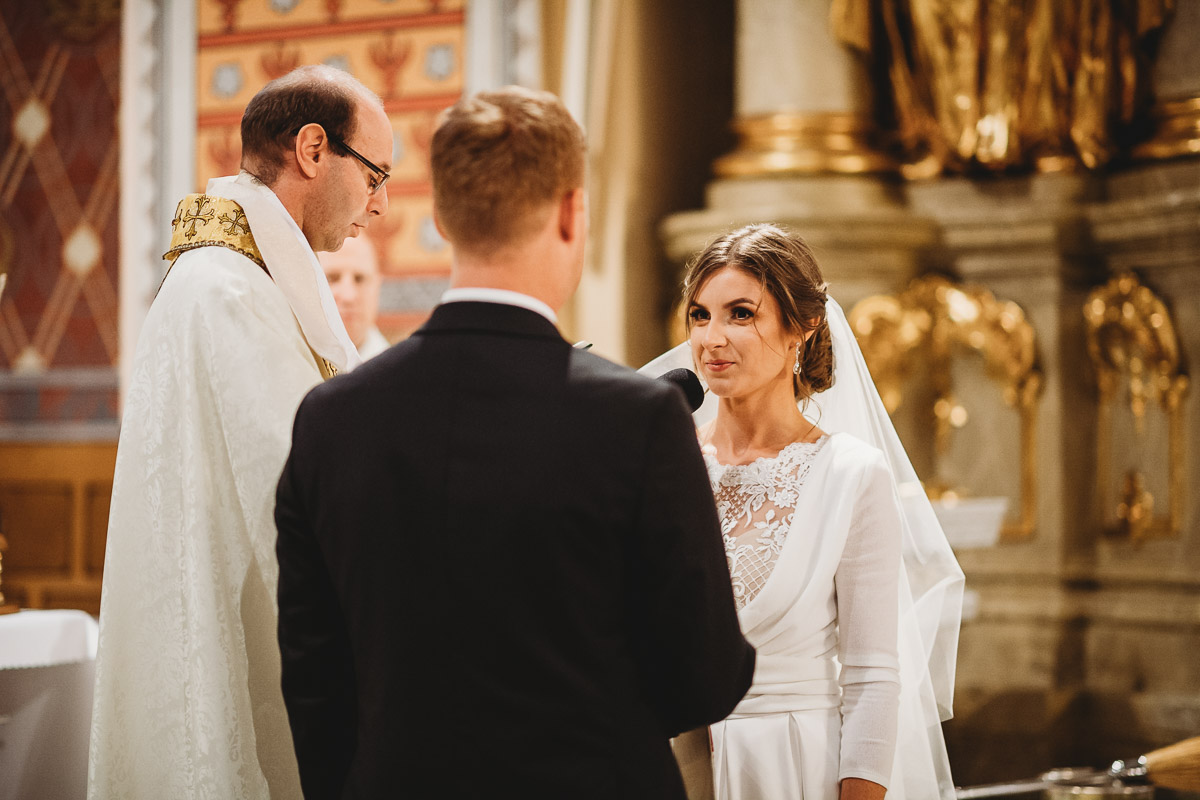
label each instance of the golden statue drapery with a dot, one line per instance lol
(1000, 84)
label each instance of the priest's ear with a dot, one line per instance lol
(312, 144)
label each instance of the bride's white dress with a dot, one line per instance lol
(850, 593)
(813, 537)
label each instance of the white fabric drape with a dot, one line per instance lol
(293, 266)
(188, 701)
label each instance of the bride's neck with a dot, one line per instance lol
(757, 425)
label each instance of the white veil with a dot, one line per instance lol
(931, 583)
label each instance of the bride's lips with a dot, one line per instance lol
(717, 366)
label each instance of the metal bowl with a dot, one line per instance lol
(1073, 783)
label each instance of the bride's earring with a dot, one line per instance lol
(796, 367)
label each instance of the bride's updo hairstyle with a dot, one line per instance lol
(787, 270)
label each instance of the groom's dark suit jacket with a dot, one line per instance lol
(501, 572)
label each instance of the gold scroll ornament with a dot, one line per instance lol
(1131, 336)
(925, 324)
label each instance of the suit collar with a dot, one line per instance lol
(482, 294)
(488, 317)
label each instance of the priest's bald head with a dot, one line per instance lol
(323, 143)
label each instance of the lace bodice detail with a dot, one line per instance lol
(756, 503)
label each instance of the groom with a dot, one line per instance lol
(501, 572)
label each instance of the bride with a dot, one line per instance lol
(842, 577)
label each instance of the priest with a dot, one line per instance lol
(188, 700)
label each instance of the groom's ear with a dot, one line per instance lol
(572, 215)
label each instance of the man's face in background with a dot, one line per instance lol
(353, 275)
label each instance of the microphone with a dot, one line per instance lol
(688, 383)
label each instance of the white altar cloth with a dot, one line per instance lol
(47, 667)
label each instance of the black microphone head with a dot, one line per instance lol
(686, 380)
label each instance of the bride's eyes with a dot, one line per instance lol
(742, 313)
(737, 314)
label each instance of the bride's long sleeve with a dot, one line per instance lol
(867, 589)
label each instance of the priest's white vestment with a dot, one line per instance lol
(188, 701)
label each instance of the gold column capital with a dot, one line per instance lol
(791, 143)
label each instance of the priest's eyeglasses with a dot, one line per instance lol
(382, 174)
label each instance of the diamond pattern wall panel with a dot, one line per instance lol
(59, 79)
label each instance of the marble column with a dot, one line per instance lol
(806, 156)
(802, 98)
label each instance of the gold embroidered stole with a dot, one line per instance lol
(202, 220)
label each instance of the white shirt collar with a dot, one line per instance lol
(479, 294)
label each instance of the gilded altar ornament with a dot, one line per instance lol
(1131, 339)
(1004, 84)
(1136, 509)
(924, 326)
(1176, 130)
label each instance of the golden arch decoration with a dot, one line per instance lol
(1131, 335)
(926, 323)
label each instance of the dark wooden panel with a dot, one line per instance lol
(84, 598)
(36, 519)
(98, 499)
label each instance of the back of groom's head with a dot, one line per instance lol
(501, 161)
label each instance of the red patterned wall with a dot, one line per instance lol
(59, 80)
(410, 52)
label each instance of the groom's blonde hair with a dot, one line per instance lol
(499, 160)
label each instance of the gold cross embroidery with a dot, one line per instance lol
(234, 222)
(202, 220)
(195, 217)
